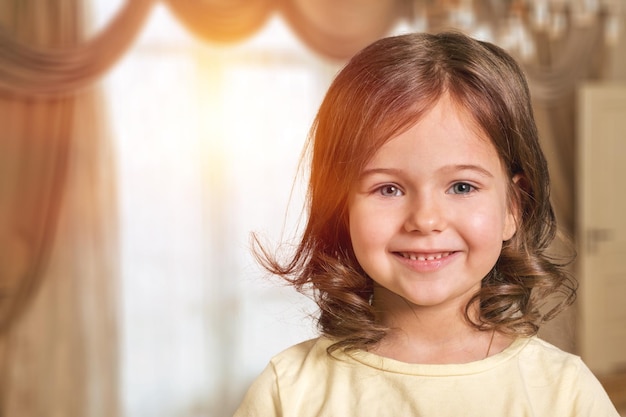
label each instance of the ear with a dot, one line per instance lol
(513, 212)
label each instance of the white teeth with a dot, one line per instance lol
(416, 257)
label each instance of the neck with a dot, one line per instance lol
(429, 335)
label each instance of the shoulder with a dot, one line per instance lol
(298, 361)
(545, 364)
(287, 378)
(541, 350)
(310, 356)
(547, 368)
(303, 350)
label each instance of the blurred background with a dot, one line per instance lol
(142, 141)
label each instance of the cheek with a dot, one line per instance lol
(361, 231)
(360, 243)
(366, 230)
(368, 243)
(486, 228)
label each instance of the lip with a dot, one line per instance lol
(426, 261)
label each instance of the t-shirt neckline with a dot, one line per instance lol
(391, 365)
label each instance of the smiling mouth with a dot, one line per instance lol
(423, 256)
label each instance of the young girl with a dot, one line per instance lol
(425, 247)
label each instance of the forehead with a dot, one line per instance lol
(445, 134)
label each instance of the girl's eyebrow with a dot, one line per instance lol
(467, 167)
(372, 171)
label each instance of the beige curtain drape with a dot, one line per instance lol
(44, 62)
(59, 356)
(58, 272)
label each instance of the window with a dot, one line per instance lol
(208, 141)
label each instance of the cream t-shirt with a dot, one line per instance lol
(529, 378)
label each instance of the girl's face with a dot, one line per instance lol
(429, 212)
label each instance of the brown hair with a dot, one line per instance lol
(381, 92)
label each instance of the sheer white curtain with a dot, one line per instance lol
(208, 140)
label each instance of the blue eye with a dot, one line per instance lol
(390, 191)
(461, 188)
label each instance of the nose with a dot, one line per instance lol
(424, 215)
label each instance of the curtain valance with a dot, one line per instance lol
(222, 20)
(338, 29)
(27, 69)
(333, 28)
